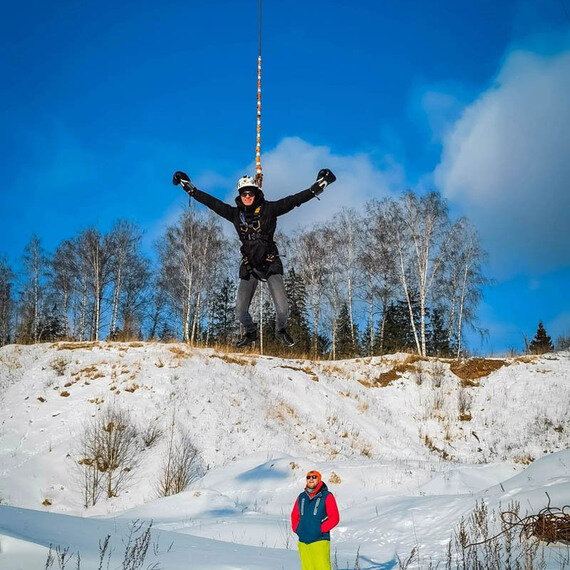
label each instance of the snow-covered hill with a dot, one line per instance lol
(406, 444)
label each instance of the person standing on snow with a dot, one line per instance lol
(314, 515)
(255, 220)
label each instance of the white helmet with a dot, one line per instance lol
(247, 182)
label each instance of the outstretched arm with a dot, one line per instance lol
(324, 178)
(217, 206)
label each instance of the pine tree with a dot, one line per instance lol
(437, 337)
(541, 342)
(398, 333)
(298, 325)
(344, 345)
(224, 325)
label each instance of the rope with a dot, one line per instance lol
(258, 172)
(551, 524)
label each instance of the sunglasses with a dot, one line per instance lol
(312, 477)
(248, 194)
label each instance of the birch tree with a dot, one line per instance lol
(64, 276)
(7, 301)
(422, 230)
(309, 259)
(35, 271)
(377, 261)
(472, 280)
(124, 240)
(95, 252)
(188, 253)
(348, 225)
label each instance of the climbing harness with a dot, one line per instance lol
(250, 230)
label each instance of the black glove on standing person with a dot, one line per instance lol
(324, 178)
(184, 181)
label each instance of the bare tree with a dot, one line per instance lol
(310, 255)
(182, 464)
(35, 270)
(133, 299)
(472, 279)
(95, 253)
(334, 274)
(188, 253)
(348, 225)
(124, 240)
(377, 259)
(63, 277)
(7, 301)
(423, 233)
(108, 453)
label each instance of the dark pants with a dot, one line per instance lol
(245, 293)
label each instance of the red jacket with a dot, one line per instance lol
(328, 522)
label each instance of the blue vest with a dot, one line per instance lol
(312, 512)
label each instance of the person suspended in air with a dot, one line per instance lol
(255, 220)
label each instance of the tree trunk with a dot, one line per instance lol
(115, 308)
(196, 318)
(187, 308)
(370, 317)
(461, 304)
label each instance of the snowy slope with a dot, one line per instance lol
(260, 423)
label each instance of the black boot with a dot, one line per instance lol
(285, 337)
(247, 339)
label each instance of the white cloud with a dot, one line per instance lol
(506, 164)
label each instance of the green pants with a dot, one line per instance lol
(315, 556)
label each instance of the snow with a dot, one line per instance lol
(260, 423)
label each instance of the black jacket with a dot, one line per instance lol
(256, 225)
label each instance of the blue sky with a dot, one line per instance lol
(102, 101)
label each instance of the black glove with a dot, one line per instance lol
(326, 175)
(184, 181)
(324, 178)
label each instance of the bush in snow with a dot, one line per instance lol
(464, 405)
(437, 373)
(182, 464)
(136, 550)
(58, 365)
(108, 454)
(486, 541)
(152, 434)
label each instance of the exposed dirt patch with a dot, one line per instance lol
(471, 370)
(305, 369)
(75, 345)
(386, 378)
(334, 370)
(179, 352)
(232, 359)
(91, 372)
(281, 412)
